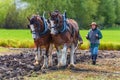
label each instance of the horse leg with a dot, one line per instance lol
(45, 63)
(76, 45)
(37, 56)
(72, 55)
(64, 55)
(50, 56)
(58, 56)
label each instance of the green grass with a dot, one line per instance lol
(108, 35)
(15, 34)
(110, 40)
(23, 38)
(16, 38)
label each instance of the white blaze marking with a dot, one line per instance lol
(52, 23)
(34, 36)
(52, 29)
(32, 27)
(33, 31)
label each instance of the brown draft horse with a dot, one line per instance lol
(42, 38)
(65, 33)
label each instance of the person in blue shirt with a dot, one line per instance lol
(94, 35)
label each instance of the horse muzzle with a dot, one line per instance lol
(53, 31)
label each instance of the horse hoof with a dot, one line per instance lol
(36, 63)
(58, 65)
(44, 71)
(53, 68)
(43, 67)
(37, 68)
(50, 64)
(50, 67)
(71, 66)
(62, 67)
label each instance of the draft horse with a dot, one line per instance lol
(65, 33)
(42, 39)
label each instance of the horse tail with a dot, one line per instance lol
(79, 37)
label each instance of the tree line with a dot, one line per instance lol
(14, 13)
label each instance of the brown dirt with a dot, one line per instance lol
(18, 63)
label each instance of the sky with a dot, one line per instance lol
(20, 4)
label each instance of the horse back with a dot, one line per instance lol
(73, 23)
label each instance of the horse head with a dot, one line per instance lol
(36, 25)
(56, 22)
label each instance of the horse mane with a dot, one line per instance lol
(36, 16)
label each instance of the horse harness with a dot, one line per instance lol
(65, 26)
(44, 32)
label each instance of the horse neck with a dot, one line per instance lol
(61, 20)
(41, 25)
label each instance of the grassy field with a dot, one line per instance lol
(110, 40)
(23, 38)
(16, 38)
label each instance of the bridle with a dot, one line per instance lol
(57, 24)
(34, 22)
(37, 29)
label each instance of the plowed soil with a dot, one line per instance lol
(17, 63)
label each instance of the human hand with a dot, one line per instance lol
(96, 35)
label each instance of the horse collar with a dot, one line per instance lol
(45, 28)
(64, 27)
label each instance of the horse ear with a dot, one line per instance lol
(28, 18)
